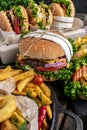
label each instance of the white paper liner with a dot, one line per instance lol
(63, 19)
(7, 38)
(62, 24)
(8, 85)
(29, 110)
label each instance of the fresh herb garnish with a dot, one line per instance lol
(19, 126)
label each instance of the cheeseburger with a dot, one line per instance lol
(45, 52)
(62, 8)
(40, 16)
(16, 19)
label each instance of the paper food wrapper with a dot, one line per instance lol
(27, 106)
(7, 38)
(29, 110)
(8, 85)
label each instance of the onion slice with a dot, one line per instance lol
(57, 65)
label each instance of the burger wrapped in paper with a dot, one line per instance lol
(15, 19)
(46, 52)
(63, 13)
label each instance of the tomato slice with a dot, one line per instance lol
(46, 69)
(16, 25)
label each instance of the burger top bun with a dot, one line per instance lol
(40, 49)
(59, 9)
(4, 24)
(45, 45)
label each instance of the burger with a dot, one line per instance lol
(40, 16)
(16, 19)
(62, 8)
(44, 51)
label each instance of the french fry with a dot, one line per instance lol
(18, 117)
(45, 89)
(23, 75)
(49, 112)
(27, 89)
(42, 96)
(7, 69)
(33, 94)
(30, 85)
(15, 92)
(22, 83)
(6, 75)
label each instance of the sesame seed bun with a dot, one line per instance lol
(40, 49)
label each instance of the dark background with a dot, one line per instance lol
(80, 5)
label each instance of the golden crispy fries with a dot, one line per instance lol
(23, 75)
(8, 108)
(22, 83)
(33, 94)
(7, 69)
(30, 85)
(6, 75)
(18, 117)
(45, 89)
(49, 112)
(27, 89)
(42, 96)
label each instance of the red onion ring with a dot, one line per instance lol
(57, 64)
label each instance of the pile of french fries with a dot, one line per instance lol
(25, 86)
